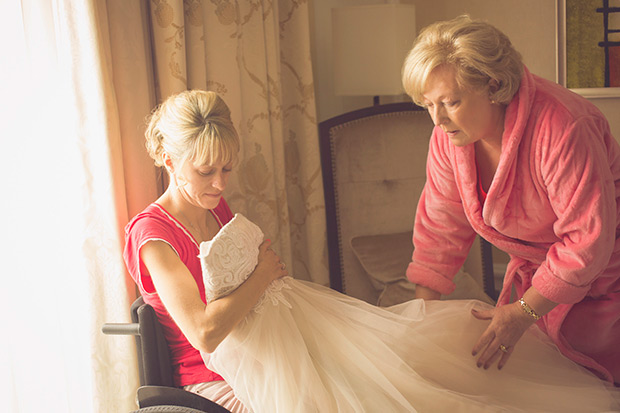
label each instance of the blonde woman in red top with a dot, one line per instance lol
(192, 136)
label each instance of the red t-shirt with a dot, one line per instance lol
(155, 223)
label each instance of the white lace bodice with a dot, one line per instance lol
(230, 257)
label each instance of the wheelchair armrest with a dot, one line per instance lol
(149, 396)
(124, 329)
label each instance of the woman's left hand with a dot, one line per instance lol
(508, 323)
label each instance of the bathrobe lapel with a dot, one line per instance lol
(485, 218)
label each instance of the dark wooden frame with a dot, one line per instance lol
(331, 217)
(325, 147)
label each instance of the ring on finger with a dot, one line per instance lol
(503, 348)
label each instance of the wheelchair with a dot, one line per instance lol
(157, 393)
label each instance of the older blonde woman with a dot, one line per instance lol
(532, 168)
(192, 136)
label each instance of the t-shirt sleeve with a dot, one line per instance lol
(139, 231)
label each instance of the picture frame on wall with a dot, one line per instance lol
(588, 47)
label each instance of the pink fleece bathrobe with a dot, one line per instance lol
(553, 206)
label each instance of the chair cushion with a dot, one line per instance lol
(384, 257)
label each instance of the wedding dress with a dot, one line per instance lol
(307, 348)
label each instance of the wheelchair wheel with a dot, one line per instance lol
(167, 409)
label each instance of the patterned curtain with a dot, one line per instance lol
(256, 55)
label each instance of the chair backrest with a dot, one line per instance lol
(374, 169)
(373, 163)
(153, 353)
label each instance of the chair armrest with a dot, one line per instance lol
(149, 396)
(123, 329)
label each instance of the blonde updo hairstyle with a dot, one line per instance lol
(192, 125)
(477, 50)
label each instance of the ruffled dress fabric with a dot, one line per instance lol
(307, 348)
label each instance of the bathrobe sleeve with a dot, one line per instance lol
(580, 186)
(442, 235)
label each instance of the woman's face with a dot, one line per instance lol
(203, 185)
(466, 116)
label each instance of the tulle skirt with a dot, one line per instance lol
(315, 350)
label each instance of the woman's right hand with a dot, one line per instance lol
(269, 263)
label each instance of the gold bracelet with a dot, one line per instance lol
(528, 310)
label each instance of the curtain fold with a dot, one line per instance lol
(106, 201)
(132, 77)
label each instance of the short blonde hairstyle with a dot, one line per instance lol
(192, 125)
(478, 51)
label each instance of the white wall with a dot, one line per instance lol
(530, 24)
(611, 109)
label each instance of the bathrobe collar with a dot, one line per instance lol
(483, 217)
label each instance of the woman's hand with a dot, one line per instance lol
(508, 323)
(269, 262)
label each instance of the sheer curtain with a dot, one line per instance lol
(62, 204)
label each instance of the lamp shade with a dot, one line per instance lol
(370, 44)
